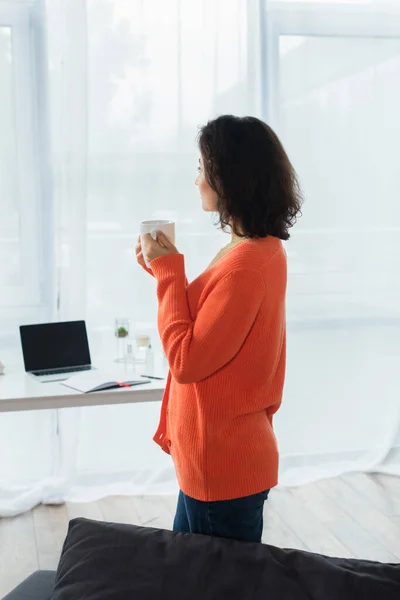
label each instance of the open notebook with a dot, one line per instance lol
(98, 381)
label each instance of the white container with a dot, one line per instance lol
(142, 344)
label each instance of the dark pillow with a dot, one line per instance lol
(104, 561)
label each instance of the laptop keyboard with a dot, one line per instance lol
(62, 371)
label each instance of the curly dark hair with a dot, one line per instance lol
(246, 165)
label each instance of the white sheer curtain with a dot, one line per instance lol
(39, 448)
(130, 81)
(66, 27)
(334, 81)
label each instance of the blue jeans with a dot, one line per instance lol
(238, 519)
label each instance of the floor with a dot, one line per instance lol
(355, 516)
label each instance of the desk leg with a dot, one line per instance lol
(66, 427)
(57, 492)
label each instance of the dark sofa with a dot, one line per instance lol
(39, 586)
(104, 561)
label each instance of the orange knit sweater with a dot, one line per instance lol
(224, 337)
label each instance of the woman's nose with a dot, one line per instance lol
(196, 181)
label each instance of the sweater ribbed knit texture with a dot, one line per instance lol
(225, 339)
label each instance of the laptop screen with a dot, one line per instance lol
(55, 345)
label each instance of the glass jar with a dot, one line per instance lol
(121, 331)
(130, 355)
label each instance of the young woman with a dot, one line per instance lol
(224, 333)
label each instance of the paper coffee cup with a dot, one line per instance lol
(167, 227)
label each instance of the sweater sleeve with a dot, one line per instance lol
(197, 348)
(145, 268)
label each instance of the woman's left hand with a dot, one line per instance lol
(161, 246)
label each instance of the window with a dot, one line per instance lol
(24, 273)
(333, 84)
(10, 248)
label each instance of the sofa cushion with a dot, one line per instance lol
(104, 561)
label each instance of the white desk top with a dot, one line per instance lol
(19, 391)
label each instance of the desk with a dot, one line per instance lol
(19, 391)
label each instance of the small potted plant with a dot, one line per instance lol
(122, 332)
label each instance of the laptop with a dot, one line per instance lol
(55, 351)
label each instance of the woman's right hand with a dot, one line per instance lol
(140, 257)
